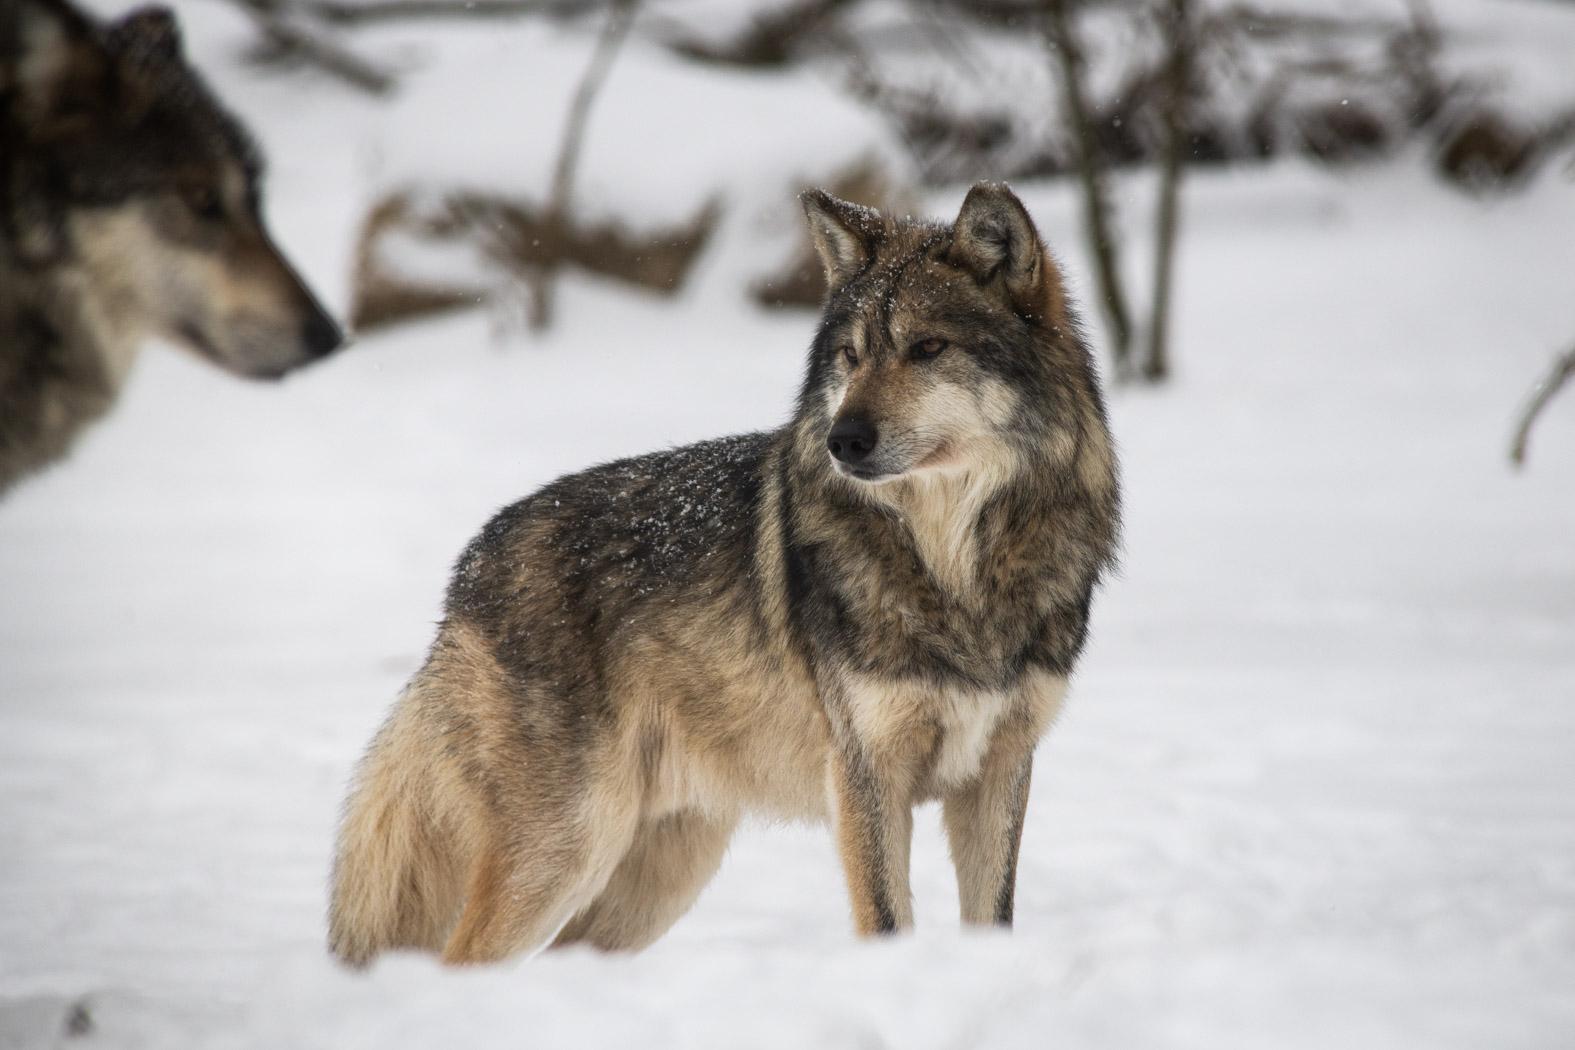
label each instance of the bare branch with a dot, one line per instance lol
(1563, 370)
(296, 41)
(1092, 172)
(620, 17)
(772, 39)
(351, 13)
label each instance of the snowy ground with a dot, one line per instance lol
(1316, 786)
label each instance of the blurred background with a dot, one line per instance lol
(1316, 781)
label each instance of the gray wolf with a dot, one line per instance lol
(876, 605)
(130, 206)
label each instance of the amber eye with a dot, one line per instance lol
(925, 349)
(851, 356)
(204, 203)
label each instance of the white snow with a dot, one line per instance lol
(1316, 781)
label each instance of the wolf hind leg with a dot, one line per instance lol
(409, 832)
(656, 882)
(518, 895)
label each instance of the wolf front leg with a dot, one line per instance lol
(984, 824)
(873, 820)
(984, 817)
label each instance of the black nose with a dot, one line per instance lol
(320, 334)
(851, 440)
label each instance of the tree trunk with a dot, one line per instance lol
(555, 215)
(1096, 194)
(1156, 367)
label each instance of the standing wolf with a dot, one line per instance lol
(129, 207)
(876, 605)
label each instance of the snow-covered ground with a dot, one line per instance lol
(1316, 785)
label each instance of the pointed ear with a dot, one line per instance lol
(845, 235)
(148, 36)
(994, 240)
(58, 65)
(143, 44)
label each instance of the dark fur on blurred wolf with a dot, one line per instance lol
(877, 604)
(129, 207)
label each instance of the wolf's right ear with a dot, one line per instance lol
(147, 37)
(845, 235)
(50, 62)
(994, 240)
(143, 44)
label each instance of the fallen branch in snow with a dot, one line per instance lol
(382, 291)
(1563, 369)
(772, 39)
(485, 246)
(351, 13)
(286, 37)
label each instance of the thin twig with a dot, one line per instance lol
(1091, 169)
(1563, 370)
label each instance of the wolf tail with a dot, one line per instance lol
(402, 855)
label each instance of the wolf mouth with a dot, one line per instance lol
(193, 337)
(869, 477)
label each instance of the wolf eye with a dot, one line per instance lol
(851, 356)
(204, 203)
(925, 349)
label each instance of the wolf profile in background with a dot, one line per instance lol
(876, 605)
(130, 206)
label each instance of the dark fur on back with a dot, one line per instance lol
(554, 580)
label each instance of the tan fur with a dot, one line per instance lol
(671, 860)
(984, 814)
(418, 829)
(958, 460)
(940, 507)
(873, 840)
(622, 862)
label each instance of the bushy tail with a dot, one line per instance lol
(398, 875)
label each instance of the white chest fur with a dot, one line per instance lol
(944, 735)
(965, 722)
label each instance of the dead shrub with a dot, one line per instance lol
(504, 242)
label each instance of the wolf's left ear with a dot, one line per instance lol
(994, 240)
(845, 235)
(54, 66)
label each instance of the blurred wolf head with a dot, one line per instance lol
(123, 178)
(946, 353)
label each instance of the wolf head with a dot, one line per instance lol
(118, 165)
(943, 349)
